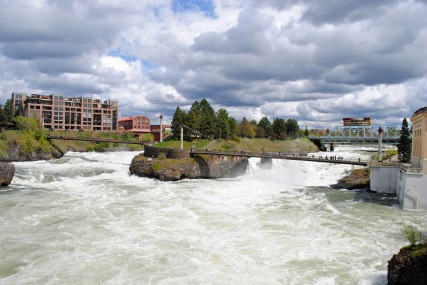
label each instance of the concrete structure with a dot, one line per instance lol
(407, 181)
(419, 139)
(135, 124)
(57, 112)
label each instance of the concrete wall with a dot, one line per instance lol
(409, 187)
(383, 179)
(412, 190)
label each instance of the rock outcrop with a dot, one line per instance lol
(203, 166)
(7, 171)
(408, 266)
(356, 179)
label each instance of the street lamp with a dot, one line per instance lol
(380, 142)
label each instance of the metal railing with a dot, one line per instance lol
(413, 198)
(279, 155)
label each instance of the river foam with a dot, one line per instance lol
(83, 219)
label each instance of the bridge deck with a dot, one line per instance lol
(282, 156)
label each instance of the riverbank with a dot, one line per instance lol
(34, 145)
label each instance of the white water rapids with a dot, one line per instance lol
(83, 219)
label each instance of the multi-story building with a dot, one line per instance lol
(57, 112)
(136, 124)
(357, 121)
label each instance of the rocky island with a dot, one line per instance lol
(408, 266)
(172, 164)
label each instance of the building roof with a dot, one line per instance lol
(420, 110)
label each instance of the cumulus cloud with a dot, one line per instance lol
(315, 62)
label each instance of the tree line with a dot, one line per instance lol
(202, 121)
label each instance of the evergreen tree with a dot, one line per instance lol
(179, 117)
(6, 116)
(8, 108)
(2, 118)
(207, 124)
(223, 124)
(195, 116)
(279, 128)
(234, 128)
(306, 132)
(266, 126)
(404, 146)
(292, 128)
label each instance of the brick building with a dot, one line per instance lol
(136, 124)
(57, 112)
(357, 121)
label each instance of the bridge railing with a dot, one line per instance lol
(290, 156)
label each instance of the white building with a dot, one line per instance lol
(408, 181)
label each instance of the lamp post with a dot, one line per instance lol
(161, 128)
(380, 142)
(182, 137)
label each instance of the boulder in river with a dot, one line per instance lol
(7, 171)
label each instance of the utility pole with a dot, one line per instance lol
(161, 128)
(182, 137)
(380, 142)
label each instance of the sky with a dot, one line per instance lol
(313, 61)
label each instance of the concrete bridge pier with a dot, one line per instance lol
(331, 147)
(322, 147)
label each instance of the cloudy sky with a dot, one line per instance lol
(315, 61)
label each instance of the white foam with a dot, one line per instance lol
(84, 219)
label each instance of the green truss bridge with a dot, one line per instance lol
(358, 135)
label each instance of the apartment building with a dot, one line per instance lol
(136, 124)
(57, 112)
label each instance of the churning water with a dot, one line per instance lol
(83, 219)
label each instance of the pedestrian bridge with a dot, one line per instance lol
(278, 155)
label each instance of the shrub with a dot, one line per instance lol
(101, 147)
(412, 234)
(27, 144)
(3, 150)
(27, 124)
(147, 138)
